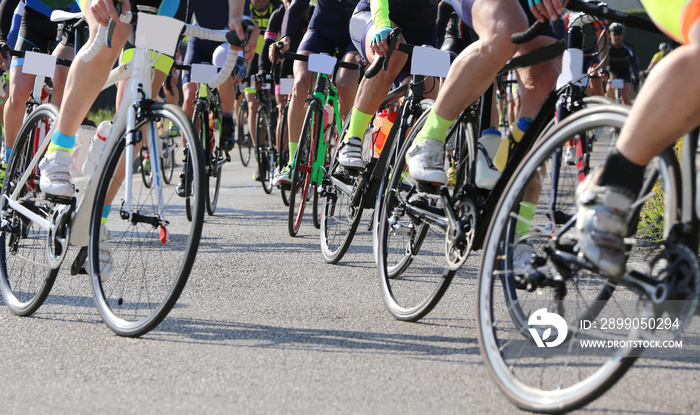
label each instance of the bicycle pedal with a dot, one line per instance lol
(228, 157)
(60, 200)
(430, 188)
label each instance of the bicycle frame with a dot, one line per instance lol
(324, 93)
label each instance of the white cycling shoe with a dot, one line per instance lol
(425, 161)
(55, 174)
(350, 154)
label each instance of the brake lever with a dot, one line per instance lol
(112, 24)
(393, 38)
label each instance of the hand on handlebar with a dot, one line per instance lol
(4, 55)
(236, 24)
(379, 44)
(104, 10)
(273, 48)
(547, 9)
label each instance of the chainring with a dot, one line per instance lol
(457, 254)
(677, 267)
(58, 235)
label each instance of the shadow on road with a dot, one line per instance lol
(291, 338)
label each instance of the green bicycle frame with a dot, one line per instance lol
(325, 93)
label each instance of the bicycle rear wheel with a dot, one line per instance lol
(245, 143)
(26, 277)
(168, 152)
(563, 377)
(145, 167)
(339, 216)
(266, 151)
(154, 250)
(301, 177)
(411, 251)
(283, 154)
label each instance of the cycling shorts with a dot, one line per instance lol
(322, 41)
(170, 8)
(36, 31)
(361, 24)
(198, 51)
(675, 17)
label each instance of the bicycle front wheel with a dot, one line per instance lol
(514, 292)
(168, 151)
(26, 277)
(283, 154)
(266, 151)
(339, 215)
(245, 142)
(301, 177)
(153, 246)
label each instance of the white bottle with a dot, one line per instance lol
(97, 145)
(80, 148)
(486, 173)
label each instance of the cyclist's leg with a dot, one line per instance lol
(346, 82)
(469, 77)
(36, 32)
(371, 91)
(59, 77)
(667, 107)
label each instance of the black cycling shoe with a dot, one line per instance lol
(182, 186)
(228, 142)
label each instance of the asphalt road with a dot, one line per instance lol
(265, 326)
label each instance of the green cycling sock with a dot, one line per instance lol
(292, 151)
(358, 124)
(526, 212)
(435, 127)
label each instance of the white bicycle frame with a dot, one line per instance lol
(139, 74)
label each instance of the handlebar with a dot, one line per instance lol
(383, 62)
(593, 8)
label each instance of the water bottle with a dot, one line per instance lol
(516, 134)
(97, 145)
(80, 148)
(486, 173)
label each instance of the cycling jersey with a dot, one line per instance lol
(416, 31)
(262, 18)
(7, 10)
(622, 62)
(675, 17)
(45, 7)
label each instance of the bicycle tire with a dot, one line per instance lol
(301, 177)
(26, 278)
(190, 192)
(245, 143)
(265, 153)
(282, 154)
(339, 218)
(168, 156)
(151, 265)
(412, 270)
(555, 382)
(146, 173)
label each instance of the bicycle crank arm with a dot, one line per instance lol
(428, 216)
(342, 186)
